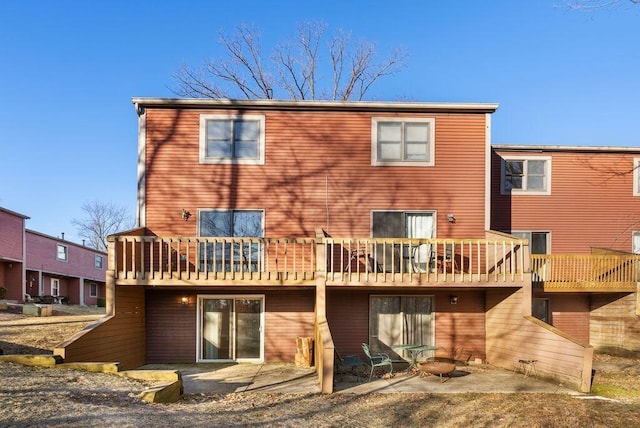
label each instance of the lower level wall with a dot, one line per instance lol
(512, 336)
(118, 338)
(459, 328)
(615, 324)
(171, 325)
(570, 313)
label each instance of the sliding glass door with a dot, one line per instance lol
(230, 328)
(400, 320)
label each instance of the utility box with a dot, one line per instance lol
(304, 351)
(38, 310)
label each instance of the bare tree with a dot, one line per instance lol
(100, 220)
(592, 5)
(296, 68)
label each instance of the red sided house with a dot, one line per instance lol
(579, 207)
(264, 221)
(33, 264)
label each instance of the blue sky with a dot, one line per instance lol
(68, 71)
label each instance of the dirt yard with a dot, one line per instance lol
(31, 396)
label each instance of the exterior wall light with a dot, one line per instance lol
(451, 218)
(184, 300)
(453, 299)
(185, 214)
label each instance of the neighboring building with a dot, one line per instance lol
(580, 209)
(33, 265)
(263, 221)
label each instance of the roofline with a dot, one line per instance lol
(559, 148)
(14, 213)
(75, 244)
(313, 105)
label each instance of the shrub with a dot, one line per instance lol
(102, 302)
(48, 300)
(3, 293)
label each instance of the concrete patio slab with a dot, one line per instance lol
(288, 378)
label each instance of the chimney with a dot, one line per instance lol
(63, 236)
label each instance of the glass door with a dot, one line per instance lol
(230, 328)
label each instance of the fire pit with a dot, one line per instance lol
(437, 368)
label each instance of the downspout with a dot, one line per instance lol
(142, 133)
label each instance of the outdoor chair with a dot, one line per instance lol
(377, 360)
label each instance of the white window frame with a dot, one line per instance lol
(65, 252)
(93, 289)
(235, 117)
(526, 234)
(524, 190)
(635, 238)
(636, 177)
(375, 161)
(55, 287)
(99, 265)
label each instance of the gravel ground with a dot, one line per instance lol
(53, 397)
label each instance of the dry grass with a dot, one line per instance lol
(32, 396)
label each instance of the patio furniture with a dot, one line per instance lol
(437, 368)
(377, 360)
(414, 351)
(528, 367)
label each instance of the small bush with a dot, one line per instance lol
(102, 302)
(48, 300)
(3, 293)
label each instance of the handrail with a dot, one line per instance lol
(586, 271)
(430, 260)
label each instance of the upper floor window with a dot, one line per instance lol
(402, 141)
(99, 260)
(232, 139)
(526, 175)
(635, 245)
(636, 177)
(62, 252)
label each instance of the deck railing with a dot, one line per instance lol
(425, 260)
(585, 272)
(156, 259)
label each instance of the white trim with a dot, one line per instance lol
(636, 177)
(55, 281)
(93, 284)
(66, 252)
(314, 104)
(96, 256)
(201, 297)
(231, 117)
(430, 143)
(81, 294)
(548, 170)
(142, 175)
(487, 172)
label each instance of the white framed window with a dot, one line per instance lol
(93, 289)
(99, 260)
(62, 252)
(55, 287)
(539, 241)
(232, 139)
(402, 141)
(635, 244)
(636, 177)
(521, 175)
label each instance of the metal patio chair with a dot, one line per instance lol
(377, 360)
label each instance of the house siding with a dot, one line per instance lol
(591, 202)
(171, 325)
(614, 322)
(317, 173)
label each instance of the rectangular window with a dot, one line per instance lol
(636, 177)
(245, 255)
(636, 243)
(398, 141)
(539, 242)
(403, 224)
(531, 176)
(62, 252)
(540, 310)
(400, 320)
(98, 262)
(235, 139)
(93, 289)
(55, 287)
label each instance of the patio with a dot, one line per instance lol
(288, 378)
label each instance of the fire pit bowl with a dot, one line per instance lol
(437, 368)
